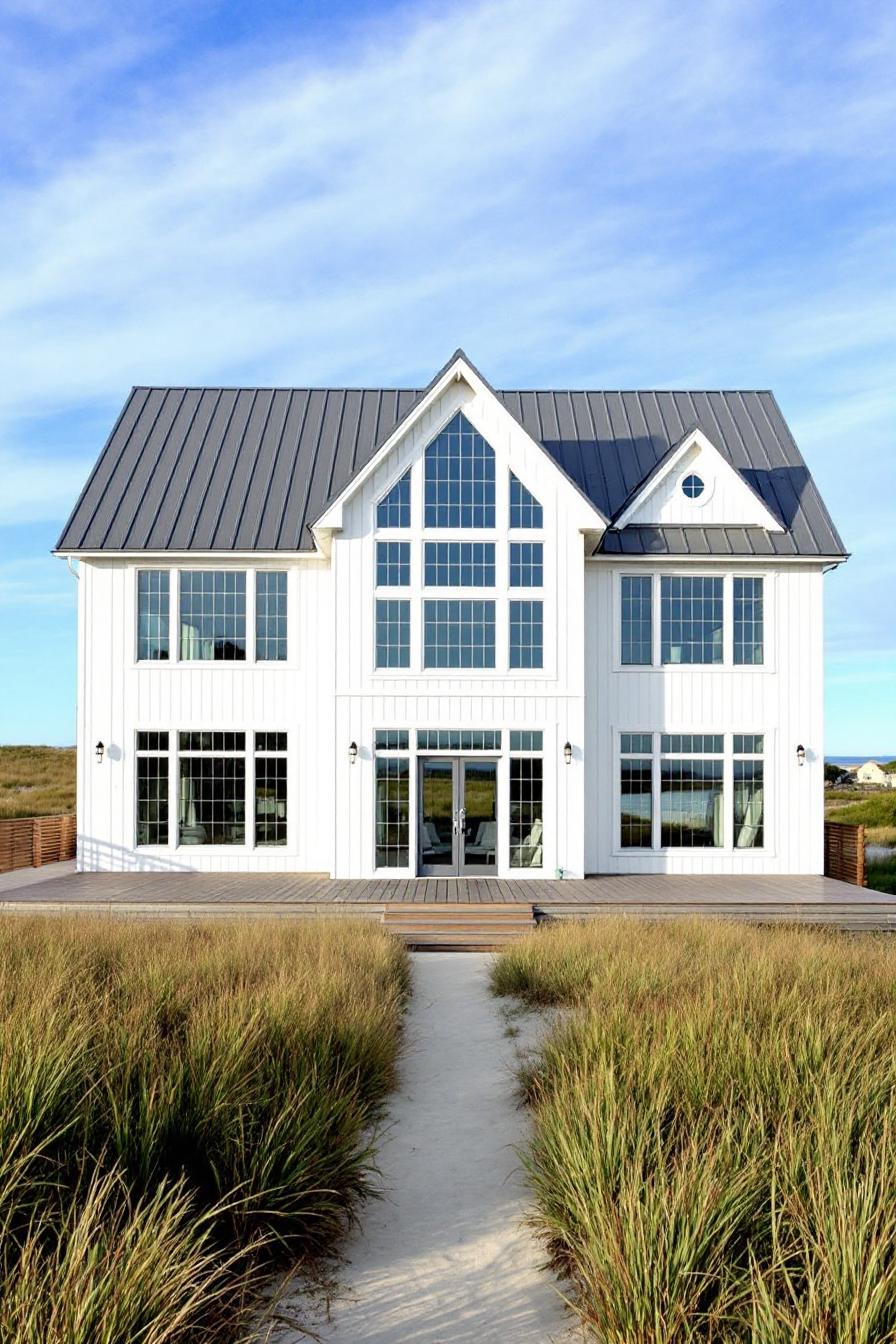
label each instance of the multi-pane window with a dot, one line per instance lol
(526, 634)
(526, 564)
(458, 739)
(393, 633)
(526, 812)
(748, 620)
(459, 564)
(637, 620)
(749, 793)
(394, 509)
(393, 564)
(393, 812)
(525, 510)
(212, 799)
(270, 788)
(636, 791)
(152, 614)
(691, 619)
(691, 808)
(391, 739)
(270, 615)
(152, 789)
(212, 615)
(459, 478)
(458, 634)
(526, 739)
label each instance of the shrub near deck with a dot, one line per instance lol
(182, 1108)
(714, 1129)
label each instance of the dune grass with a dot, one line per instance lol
(36, 781)
(183, 1109)
(715, 1129)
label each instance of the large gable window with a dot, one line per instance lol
(394, 509)
(458, 634)
(525, 510)
(212, 615)
(459, 483)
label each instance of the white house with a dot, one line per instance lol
(873, 773)
(450, 631)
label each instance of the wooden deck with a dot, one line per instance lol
(811, 900)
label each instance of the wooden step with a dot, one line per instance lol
(459, 927)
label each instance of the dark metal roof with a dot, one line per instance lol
(242, 469)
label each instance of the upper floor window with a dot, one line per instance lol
(458, 634)
(393, 564)
(459, 479)
(152, 614)
(212, 615)
(637, 620)
(525, 510)
(459, 564)
(526, 564)
(394, 509)
(692, 486)
(270, 615)
(526, 634)
(393, 633)
(748, 618)
(691, 619)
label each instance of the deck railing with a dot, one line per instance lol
(844, 852)
(29, 842)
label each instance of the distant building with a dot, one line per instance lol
(873, 773)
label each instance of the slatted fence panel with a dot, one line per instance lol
(29, 842)
(844, 852)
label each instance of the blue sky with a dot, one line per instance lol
(580, 193)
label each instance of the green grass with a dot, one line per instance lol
(877, 809)
(183, 1109)
(36, 781)
(881, 876)
(715, 1129)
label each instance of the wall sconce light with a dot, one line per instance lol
(801, 754)
(567, 752)
(98, 752)
(352, 753)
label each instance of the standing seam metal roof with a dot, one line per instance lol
(243, 469)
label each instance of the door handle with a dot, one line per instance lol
(462, 821)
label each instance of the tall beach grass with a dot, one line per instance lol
(715, 1129)
(183, 1108)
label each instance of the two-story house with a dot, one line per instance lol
(450, 631)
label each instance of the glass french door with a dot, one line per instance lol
(458, 827)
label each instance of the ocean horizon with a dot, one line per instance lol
(882, 756)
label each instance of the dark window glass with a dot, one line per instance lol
(270, 741)
(212, 615)
(459, 481)
(749, 744)
(212, 804)
(693, 486)
(458, 634)
(636, 802)
(526, 812)
(270, 615)
(634, 744)
(637, 620)
(458, 739)
(391, 739)
(526, 564)
(525, 510)
(270, 800)
(525, 739)
(393, 633)
(697, 744)
(691, 815)
(152, 614)
(152, 741)
(749, 805)
(526, 634)
(392, 812)
(393, 564)
(748, 621)
(152, 800)
(691, 620)
(193, 741)
(459, 564)
(394, 509)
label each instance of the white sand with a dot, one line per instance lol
(443, 1257)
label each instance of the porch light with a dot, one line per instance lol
(352, 753)
(98, 752)
(801, 754)
(567, 753)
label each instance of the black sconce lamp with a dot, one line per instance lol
(98, 751)
(567, 752)
(801, 754)
(352, 753)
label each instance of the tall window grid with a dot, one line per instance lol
(692, 619)
(153, 588)
(749, 791)
(526, 634)
(526, 812)
(270, 615)
(152, 789)
(748, 621)
(459, 564)
(393, 812)
(458, 633)
(394, 509)
(636, 791)
(459, 478)
(393, 564)
(525, 510)
(691, 793)
(526, 564)
(271, 764)
(393, 633)
(212, 801)
(212, 615)
(637, 620)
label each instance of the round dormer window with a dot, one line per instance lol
(693, 486)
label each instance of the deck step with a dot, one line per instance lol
(459, 927)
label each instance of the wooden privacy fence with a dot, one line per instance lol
(28, 842)
(844, 852)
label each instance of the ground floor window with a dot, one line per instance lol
(270, 788)
(636, 791)
(393, 811)
(152, 788)
(526, 811)
(749, 792)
